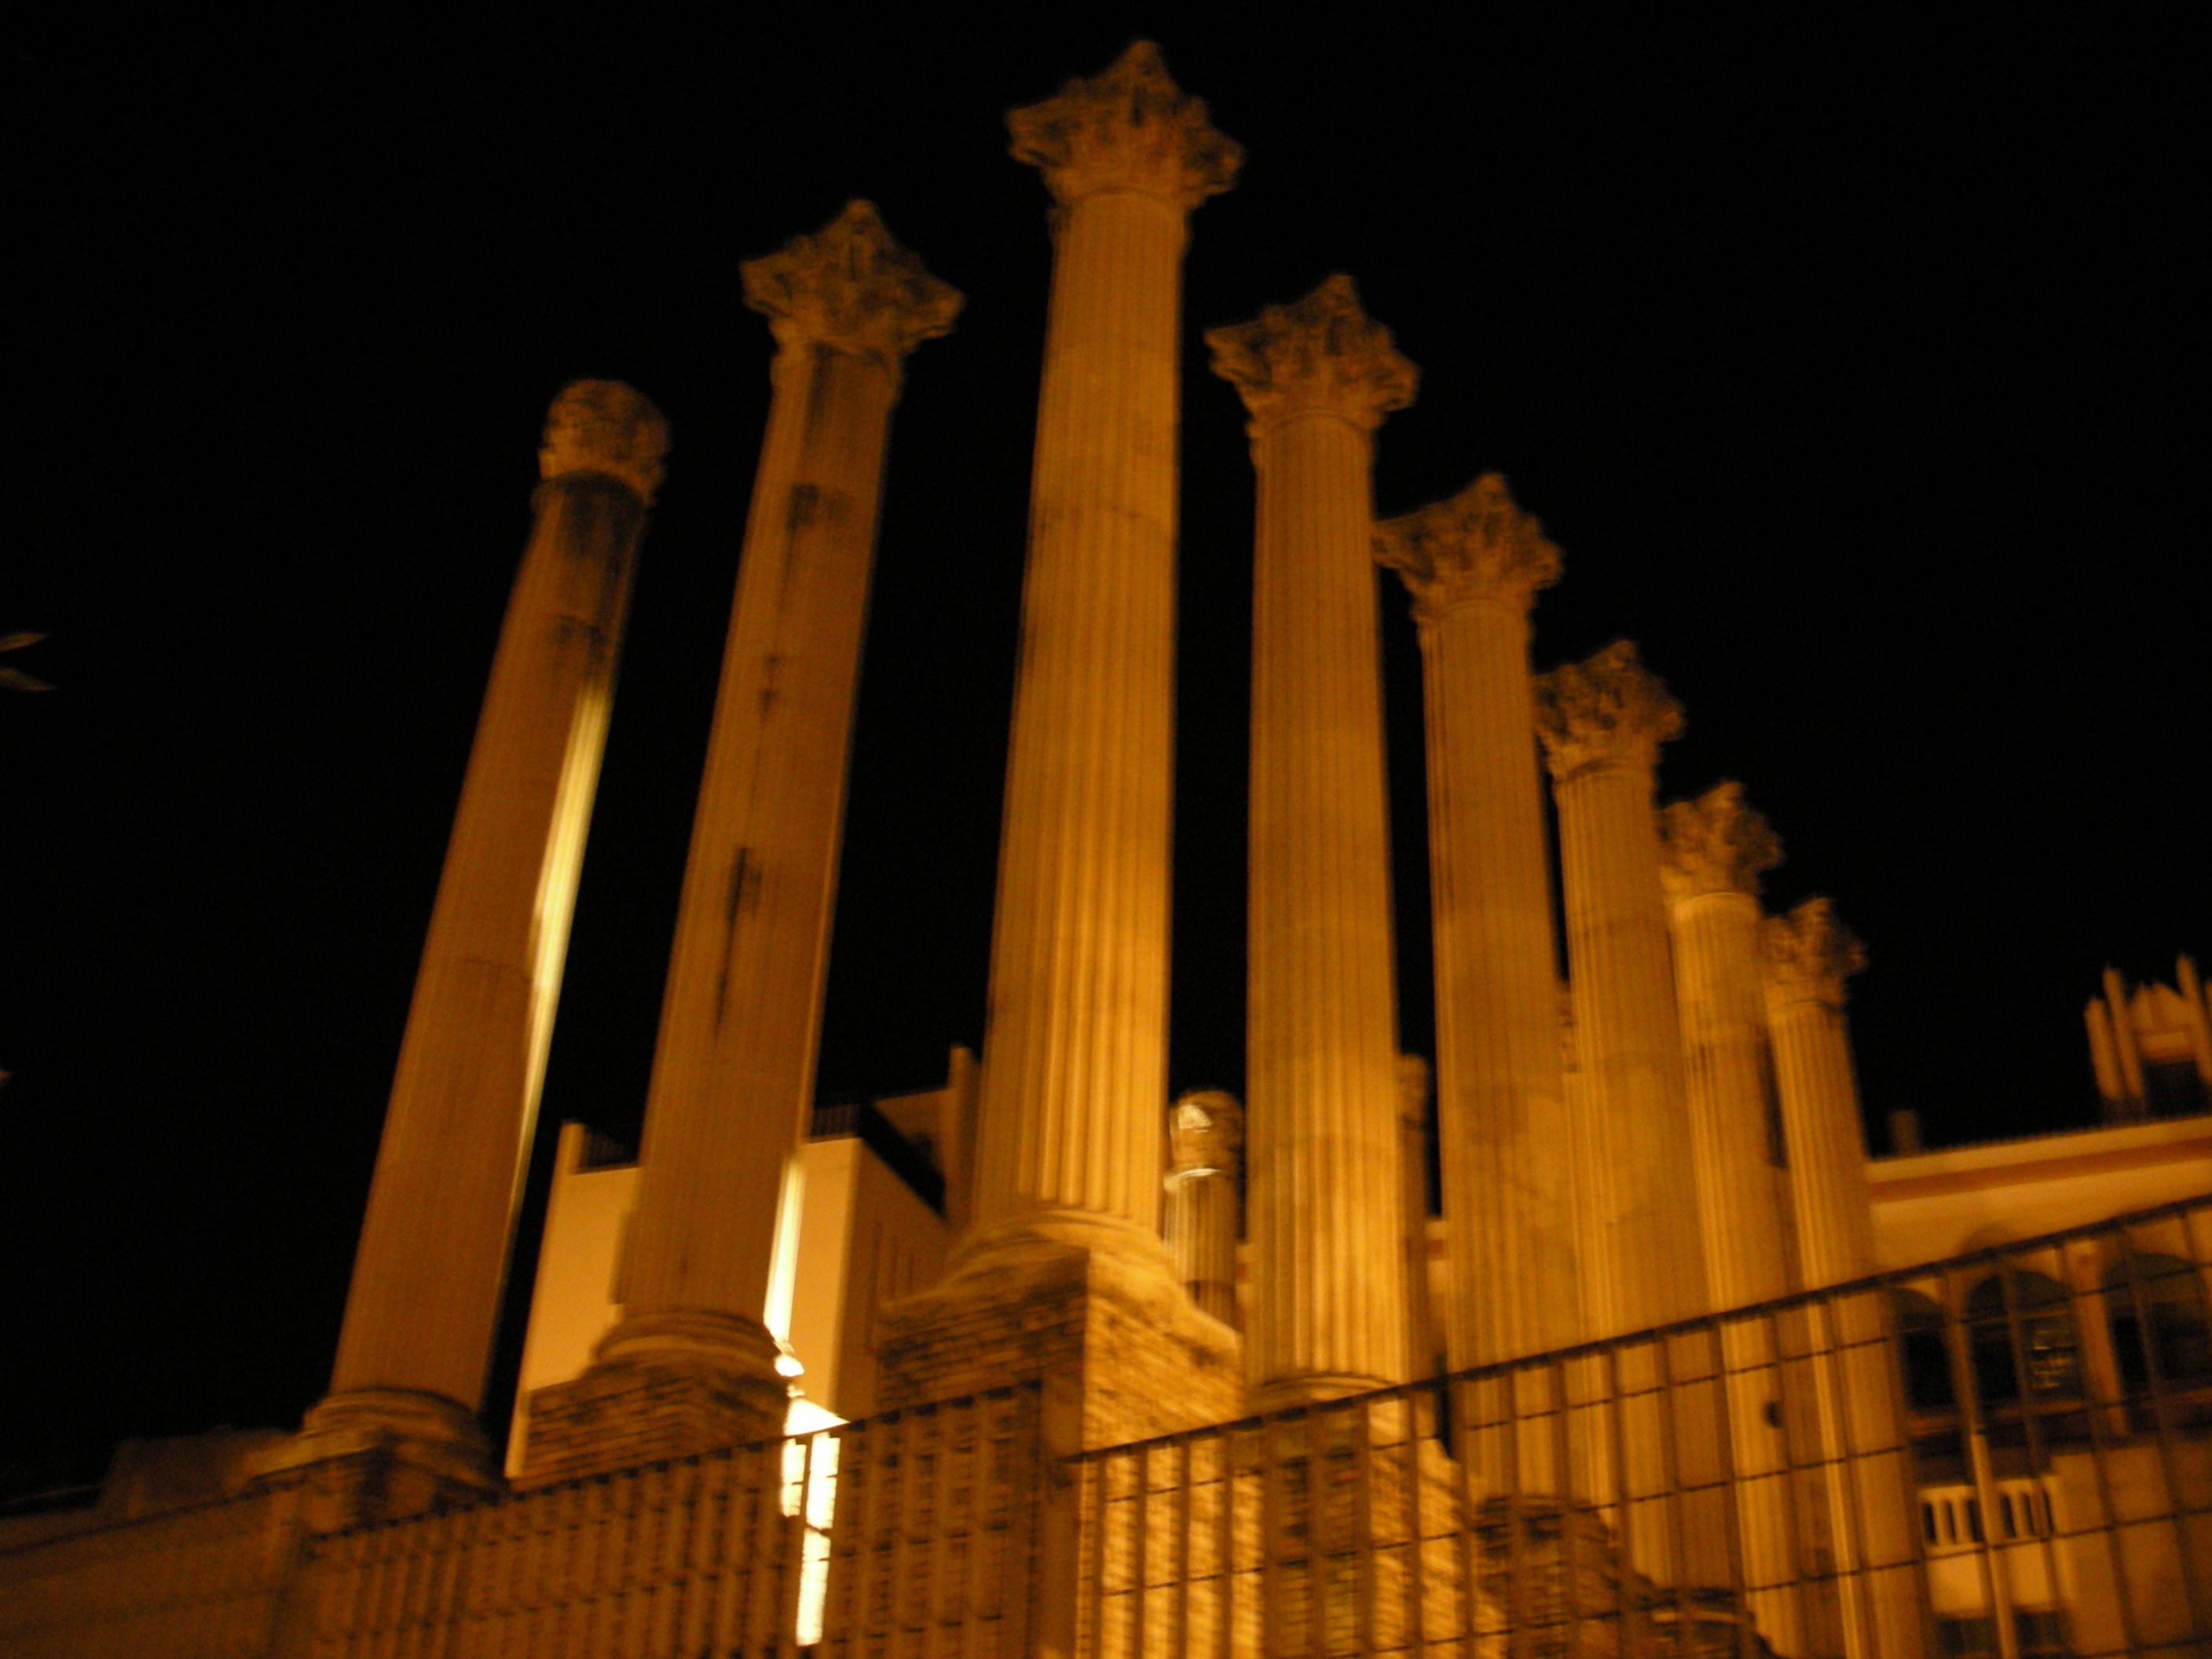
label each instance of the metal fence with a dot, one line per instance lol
(700, 1555)
(2008, 1454)
(907, 1532)
(198, 1583)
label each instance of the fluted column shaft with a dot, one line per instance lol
(1716, 848)
(426, 1281)
(1602, 722)
(1872, 1492)
(1075, 1056)
(733, 1068)
(1807, 957)
(1474, 564)
(1328, 1315)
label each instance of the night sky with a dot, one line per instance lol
(1854, 363)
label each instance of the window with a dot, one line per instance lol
(2041, 1632)
(1922, 1354)
(1966, 1638)
(2154, 1306)
(2047, 1360)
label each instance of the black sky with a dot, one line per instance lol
(1853, 360)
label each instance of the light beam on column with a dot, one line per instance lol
(416, 1338)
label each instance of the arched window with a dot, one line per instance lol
(2048, 1360)
(1922, 1354)
(2154, 1305)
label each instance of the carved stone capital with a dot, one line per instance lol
(1810, 954)
(605, 427)
(1205, 1135)
(1129, 129)
(852, 289)
(1476, 546)
(1715, 844)
(1319, 355)
(1607, 711)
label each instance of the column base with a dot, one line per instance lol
(1086, 1305)
(661, 1385)
(369, 1455)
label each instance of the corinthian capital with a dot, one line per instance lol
(605, 427)
(850, 288)
(1607, 711)
(1129, 129)
(1715, 844)
(1478, 545)
(1319, 355)
(1809, 955)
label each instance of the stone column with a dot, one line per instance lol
(733, 1068)
(1329, 1310)
(419, 1317)
(1068, 1156)
(1642, 1263)
(1715, 848)
(1807, 957)
(1872, 1495)
(1205, 1145)
(1474, 564)
(1602, 722)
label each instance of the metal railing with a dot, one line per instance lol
(197, 1584)
(2008, 1454)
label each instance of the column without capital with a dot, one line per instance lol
(1328, 1312)
(1206, 1147)
(1474, 564)
(1074, 1072)
(1873, 1497)
(416, 1338)
(692, 1362)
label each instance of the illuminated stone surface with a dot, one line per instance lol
(1473, 565)
(412, 1353)
(1642, 1260)
(1205, 1157)
(1328, 1309)
(1809, 954)
(1602, 722)
(1715, 848)
(1067, 1159)
(963, 1525)
(733, 1069)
